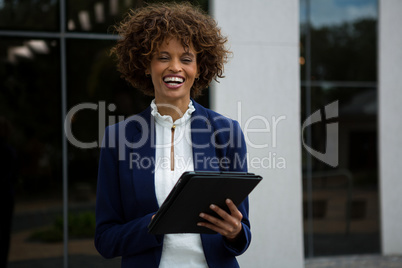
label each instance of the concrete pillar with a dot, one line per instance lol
(390, 124)
(261, 90)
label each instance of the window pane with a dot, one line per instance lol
(343, 40)
(94, 80)
(345, 209)
(30, 15)
(31, 153)
(99, 15)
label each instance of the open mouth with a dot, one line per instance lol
(173, 81)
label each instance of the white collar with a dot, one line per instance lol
(166, 120)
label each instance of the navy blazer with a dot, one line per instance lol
(126, 199)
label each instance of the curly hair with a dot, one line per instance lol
(143, 30)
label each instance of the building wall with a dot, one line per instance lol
(261, 90)
(390, 126)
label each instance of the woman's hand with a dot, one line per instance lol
(229, 226)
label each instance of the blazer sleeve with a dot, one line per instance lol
(114, 235)
(236, 154)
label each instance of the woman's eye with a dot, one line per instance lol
(187, 60)
(163, 58)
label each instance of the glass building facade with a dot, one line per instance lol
(338, 46)
(54, 59)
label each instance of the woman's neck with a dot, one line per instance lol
(174, 109)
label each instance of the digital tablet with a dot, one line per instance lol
(193, 193)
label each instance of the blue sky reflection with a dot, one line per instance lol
(330, 12)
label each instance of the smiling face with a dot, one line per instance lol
(173, 70)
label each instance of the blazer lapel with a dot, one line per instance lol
(201, 133)
(143, 171)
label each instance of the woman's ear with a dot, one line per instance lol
(147, 73)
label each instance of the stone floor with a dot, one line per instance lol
(74, 261)
(358, 261)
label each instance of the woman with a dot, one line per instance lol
(170, 51)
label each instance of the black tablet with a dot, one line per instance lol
(193, 193)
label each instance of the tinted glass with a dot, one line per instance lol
(30, 15)
(99, 15)
(345, 200)
(31, 126)
(343, 40)
(31, 153)
(93, 81)
(341, 214)
(357, 114)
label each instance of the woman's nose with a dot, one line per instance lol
(175, 66)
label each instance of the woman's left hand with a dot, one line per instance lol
(229, 226)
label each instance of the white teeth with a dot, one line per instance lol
(173, 79)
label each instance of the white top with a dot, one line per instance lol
(179, 250)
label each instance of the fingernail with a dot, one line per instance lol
(227, 201)
(212, 206)
(202, 215)
(199, 224)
